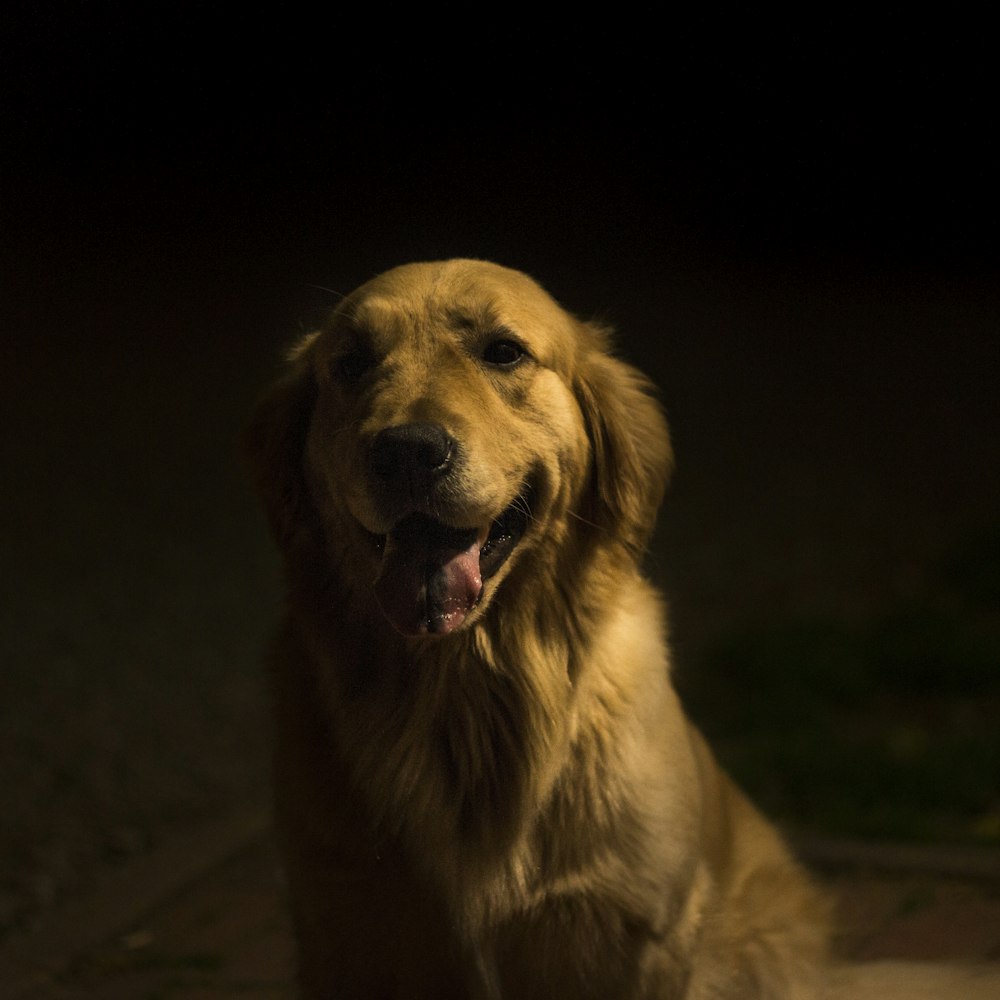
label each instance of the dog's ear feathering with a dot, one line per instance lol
(631, 445)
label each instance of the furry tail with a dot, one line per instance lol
(914, 981)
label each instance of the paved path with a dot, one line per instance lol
(204, 919)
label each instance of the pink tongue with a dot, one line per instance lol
(429, 579)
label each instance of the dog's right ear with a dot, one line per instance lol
(630, 442)
(274, 444)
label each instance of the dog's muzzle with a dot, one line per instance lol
(432, 573)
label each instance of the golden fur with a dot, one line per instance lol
(500, 796)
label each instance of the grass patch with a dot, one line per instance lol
(887, 728)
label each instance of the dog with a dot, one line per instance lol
(485, 785)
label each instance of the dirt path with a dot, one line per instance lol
(205, 918)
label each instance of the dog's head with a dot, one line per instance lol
(448, 420)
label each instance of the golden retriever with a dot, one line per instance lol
(485, 785)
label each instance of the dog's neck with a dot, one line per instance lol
(460, 717)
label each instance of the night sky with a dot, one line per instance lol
(286, 140)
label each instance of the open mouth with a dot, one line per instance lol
(432, 575)
(504, 534)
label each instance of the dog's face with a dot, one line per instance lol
(456, 420)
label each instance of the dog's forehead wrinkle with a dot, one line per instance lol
(471, 316)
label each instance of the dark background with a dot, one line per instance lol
(793, 226)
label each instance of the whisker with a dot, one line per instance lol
(583, 520)
(521, 504)
(322, 288)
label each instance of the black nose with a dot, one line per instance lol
(412, 451)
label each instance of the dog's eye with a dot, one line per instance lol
(503, 352)
(351, 366)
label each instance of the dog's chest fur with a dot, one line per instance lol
(486, 757)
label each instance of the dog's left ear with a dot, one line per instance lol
(632, 457)
(274, 444)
